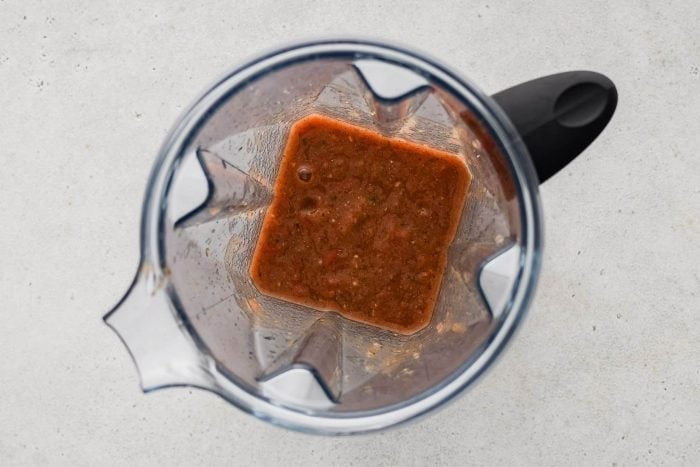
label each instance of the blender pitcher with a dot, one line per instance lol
(193, 316)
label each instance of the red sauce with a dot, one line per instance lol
(360, 224)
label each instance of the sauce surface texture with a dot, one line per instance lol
(360, 224)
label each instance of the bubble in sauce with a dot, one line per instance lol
(304, 173)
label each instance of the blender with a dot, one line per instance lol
(193, 316)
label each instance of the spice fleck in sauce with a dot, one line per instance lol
(360, 224)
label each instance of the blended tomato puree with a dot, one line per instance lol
(360, 224)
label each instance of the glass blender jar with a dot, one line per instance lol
(193, 317)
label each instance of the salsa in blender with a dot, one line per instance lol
(360, 224)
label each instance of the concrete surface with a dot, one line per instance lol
(606, 370)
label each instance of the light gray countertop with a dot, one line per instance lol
(605, 370)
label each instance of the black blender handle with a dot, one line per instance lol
(558, 116)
